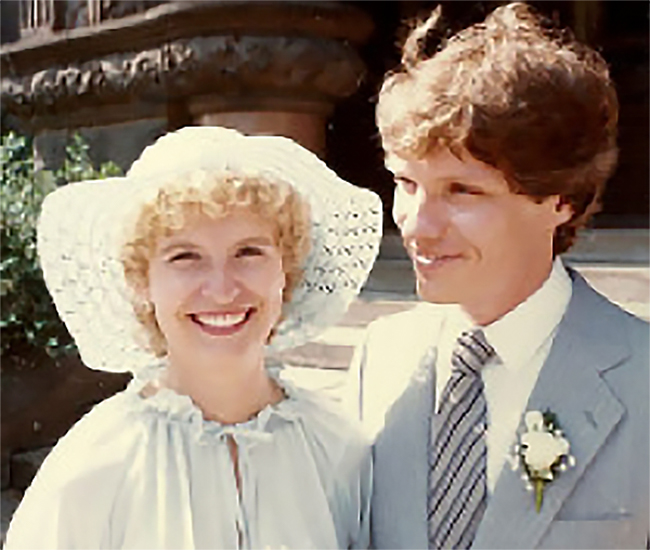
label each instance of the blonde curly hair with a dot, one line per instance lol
(213, 195)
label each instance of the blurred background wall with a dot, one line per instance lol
(123, 72)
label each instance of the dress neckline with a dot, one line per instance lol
(179, 408)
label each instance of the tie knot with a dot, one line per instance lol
(472, 352)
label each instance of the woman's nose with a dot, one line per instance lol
(219, 283)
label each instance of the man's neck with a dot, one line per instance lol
(486, 310)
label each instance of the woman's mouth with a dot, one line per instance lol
(222, 324)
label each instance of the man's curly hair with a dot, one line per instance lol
(517, 94)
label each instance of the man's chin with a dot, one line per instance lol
(433, 293)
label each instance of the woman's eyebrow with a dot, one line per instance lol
(188, 245)
(260, 241)
(178, 245)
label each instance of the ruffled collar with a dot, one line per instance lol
(179, 408)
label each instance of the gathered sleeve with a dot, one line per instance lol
(69, 503)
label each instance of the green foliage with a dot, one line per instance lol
(78, 166)
(28, 317)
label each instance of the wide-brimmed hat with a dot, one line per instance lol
(81, 234)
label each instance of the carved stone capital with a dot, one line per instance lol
(250, 52)
(303, 67)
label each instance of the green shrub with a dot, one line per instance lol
(28, 317)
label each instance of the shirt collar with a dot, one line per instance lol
(519, 333)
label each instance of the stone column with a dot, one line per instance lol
(268, 67)
(9, 22)
(307, 128)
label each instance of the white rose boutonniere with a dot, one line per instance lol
(542, 452)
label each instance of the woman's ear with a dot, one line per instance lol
(142, 291)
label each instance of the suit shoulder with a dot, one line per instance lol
(420, 317)
(635, 329)
(638, 335)
(617, 329)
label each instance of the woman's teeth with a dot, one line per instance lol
(221, 320)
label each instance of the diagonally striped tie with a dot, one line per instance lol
(458, 454)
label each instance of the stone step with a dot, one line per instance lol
(9, 501)
(25, 465)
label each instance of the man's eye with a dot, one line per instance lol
(463, 189)
(408, 186)
(248, 251)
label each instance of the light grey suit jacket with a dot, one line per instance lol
(596, 379)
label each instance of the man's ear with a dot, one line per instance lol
(563, 211)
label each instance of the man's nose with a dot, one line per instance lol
(424, 217)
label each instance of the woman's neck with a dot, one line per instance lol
(229, 394)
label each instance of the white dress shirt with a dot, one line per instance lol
(522, 340)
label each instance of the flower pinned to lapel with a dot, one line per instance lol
(543, 452)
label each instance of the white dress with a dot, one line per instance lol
(150, 472)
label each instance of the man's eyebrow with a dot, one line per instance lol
(401, 177)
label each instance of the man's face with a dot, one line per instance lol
(472, 241)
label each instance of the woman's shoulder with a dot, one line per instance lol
(325, 424)
(74, 489)
(341, 453)
(100, 441)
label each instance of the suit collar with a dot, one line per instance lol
(570, 385)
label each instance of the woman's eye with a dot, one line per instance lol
(249, 251)
(184, 256)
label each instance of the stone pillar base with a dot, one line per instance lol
(305, 128)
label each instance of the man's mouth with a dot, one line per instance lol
(428, 261)
(222, 324)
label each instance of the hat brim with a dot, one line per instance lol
(80, 234)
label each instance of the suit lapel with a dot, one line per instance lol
(570, 385)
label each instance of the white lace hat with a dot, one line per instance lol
(81, 232)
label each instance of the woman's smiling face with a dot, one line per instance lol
(216, 287)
